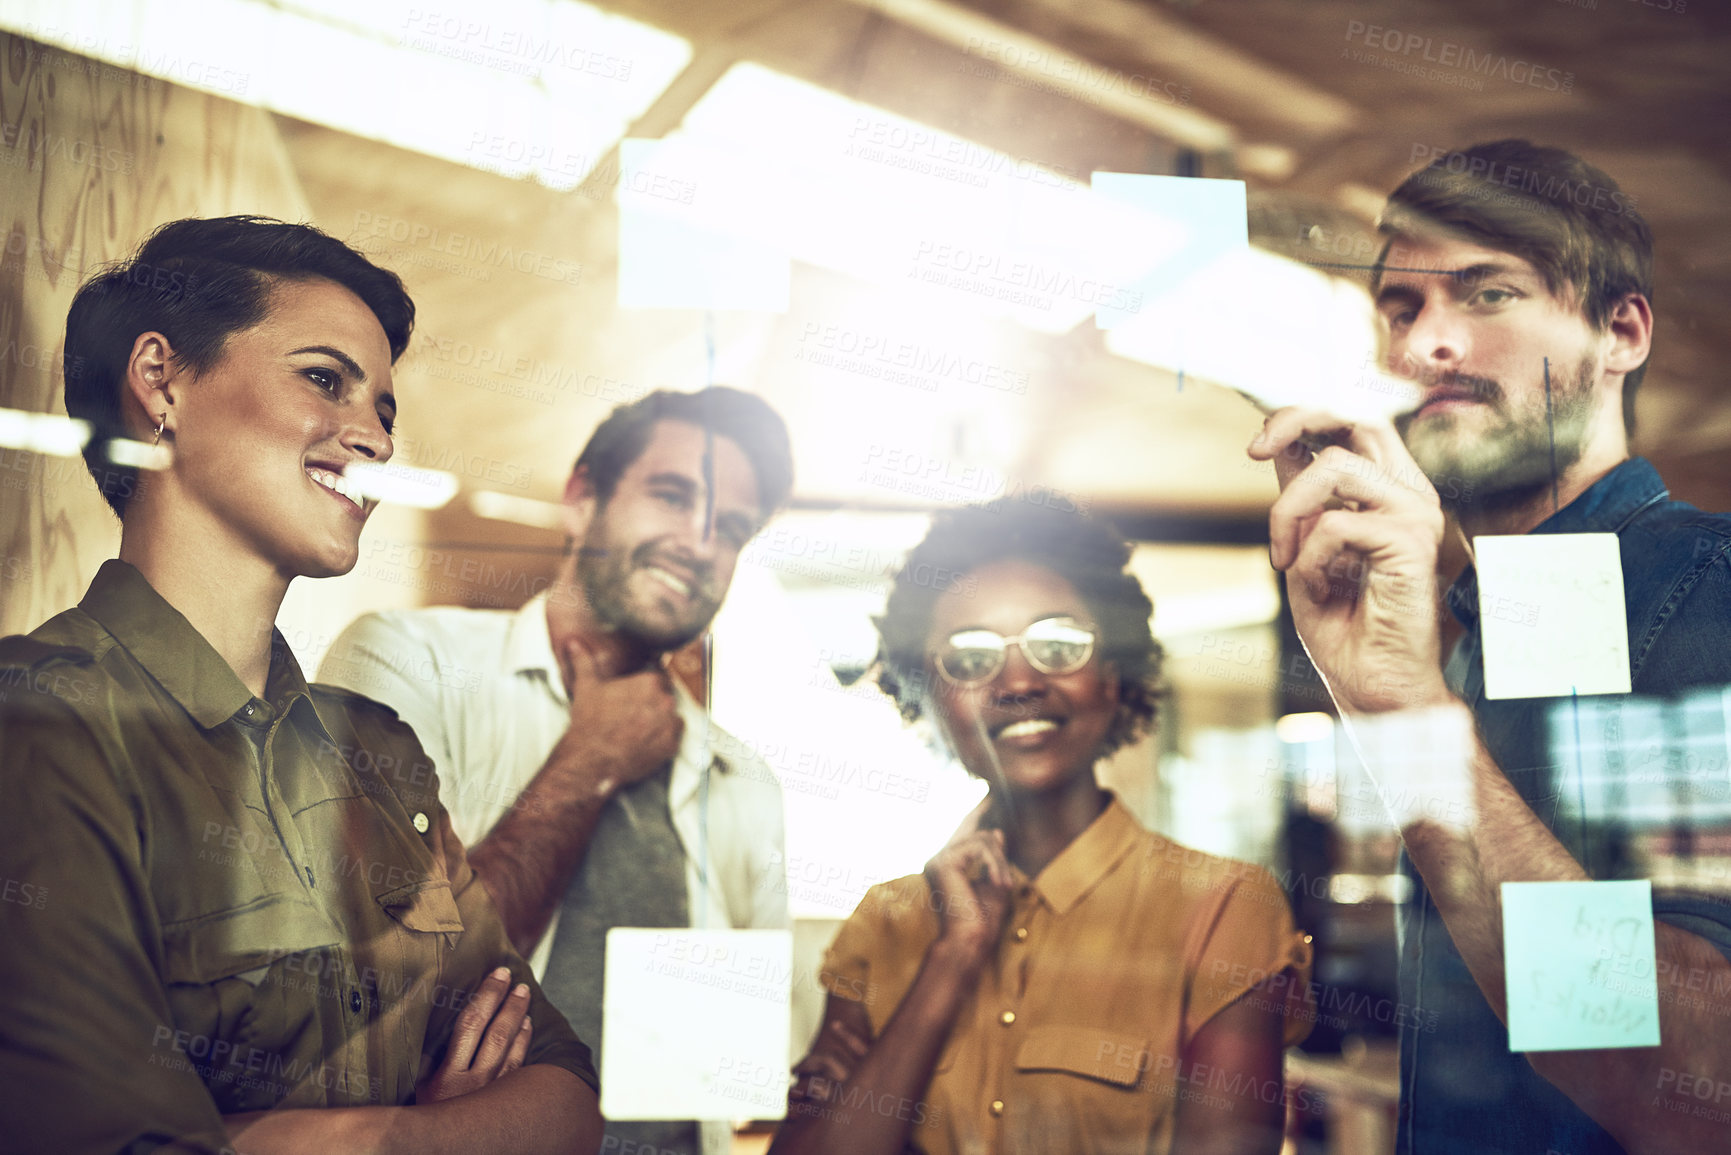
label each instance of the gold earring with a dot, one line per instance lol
(159, 428)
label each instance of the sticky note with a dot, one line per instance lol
(696, 1024)
(1405, 767)
(1579, 962)
(1279, 332)
(1551, 614)
(672, 254)
(1192, 223)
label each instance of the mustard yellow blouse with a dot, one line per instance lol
(1113, 957)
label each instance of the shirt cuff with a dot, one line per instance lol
(573, 1056)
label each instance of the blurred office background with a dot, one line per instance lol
(476, 148)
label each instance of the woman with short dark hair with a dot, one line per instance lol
(1059, 979)
(251, 898)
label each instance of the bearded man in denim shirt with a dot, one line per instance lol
(1516, 285)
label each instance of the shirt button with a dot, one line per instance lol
(421, 823)
(1007, 1017)
(1021, 934)
(997, 1107)
(355, 1001)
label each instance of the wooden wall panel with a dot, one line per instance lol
(91, 159)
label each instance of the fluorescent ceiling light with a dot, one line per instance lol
(1310, 727)
(1177, 615)
(944, 222)
(522, 510)
(1353, 889)
(525, 88)
(138, 454)
(403, 484)
(44, 433)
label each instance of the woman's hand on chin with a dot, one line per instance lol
(970, 886)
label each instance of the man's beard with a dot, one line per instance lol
(1514, 457)
(605, 576)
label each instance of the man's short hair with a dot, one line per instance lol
(743, 418)
(1544, 205)
(197, 282)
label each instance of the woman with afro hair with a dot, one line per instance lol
(1059, 979)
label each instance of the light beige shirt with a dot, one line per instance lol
(483, 691)
(1113, 957)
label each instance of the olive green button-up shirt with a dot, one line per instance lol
(216, 903)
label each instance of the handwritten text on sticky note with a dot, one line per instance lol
(1552, 616)
(1579, 962)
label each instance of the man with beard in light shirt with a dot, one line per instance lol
(592, 790)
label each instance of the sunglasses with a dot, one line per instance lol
(1060, 645)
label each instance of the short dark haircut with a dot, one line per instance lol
(198, 282)
(1086, 553)
(743, 418)
(1544, 205)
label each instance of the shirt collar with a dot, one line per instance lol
(529, 649)
(1610, 503)
(1606, 506)
(529, 645)
(1080, 866)
(160, 639)
(697, 754)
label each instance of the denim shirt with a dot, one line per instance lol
(1461, 1088)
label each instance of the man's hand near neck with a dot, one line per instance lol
(570, 619)
(624, 727)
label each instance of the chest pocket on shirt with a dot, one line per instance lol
(233, 942)
(429, 927)
(1117, 1060)
(1085, 1089)
(426, 906)
(232, 1017)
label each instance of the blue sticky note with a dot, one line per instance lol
(1580, 965)
(1203, 220)
(672, 252)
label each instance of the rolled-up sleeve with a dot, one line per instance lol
(1250, 941)
(846, 969)
(86, 1062)
(880, 948)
